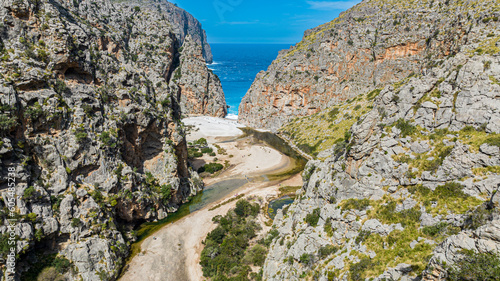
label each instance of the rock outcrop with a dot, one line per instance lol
(90, 130)
(355, 53)
(414, 181)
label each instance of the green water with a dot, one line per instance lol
(279, 144)
(209, 195)
(277, 204)
(221, 189)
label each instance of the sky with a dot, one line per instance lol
(262, 21)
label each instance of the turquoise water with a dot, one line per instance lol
(277, 204)
(238, 64)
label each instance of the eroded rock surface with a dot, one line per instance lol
(371, 45)
(89, 125)
(414, 180)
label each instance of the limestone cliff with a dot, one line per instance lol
(410, 190)
(375, 43)
(89, 124)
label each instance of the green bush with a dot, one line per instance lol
(194, 152)
(333, 113)
(313, 218)
(48, 267)
(29, 192)
(201, 142)
(406, 128)
(211, 168)
(357, 270)
(60, 87)
(245, 209)
(479, 217)
(328, 228)
(434, 230)
(166, 193)
(80, 135)
(327, 250)
(226, 254)
(306, 258)
(207, 150)
(34, 112)
(450, 190)
(494, 140)
(75, 222)
(7, 122)
(373, 94)
(475, 266)
(362, 236)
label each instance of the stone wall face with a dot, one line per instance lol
(90, 122)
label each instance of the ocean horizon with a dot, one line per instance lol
(237, 65)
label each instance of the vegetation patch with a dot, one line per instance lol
(211, 168)
(357, 204)
(228, 254)
(313, 218)
(48, 267)
(320, 131)
(445, 198)
(475, 266)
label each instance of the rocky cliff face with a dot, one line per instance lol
(412, 187)
(90, 129)
(355, 53)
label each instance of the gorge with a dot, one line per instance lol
(111, 121)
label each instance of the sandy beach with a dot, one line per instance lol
(173, 253)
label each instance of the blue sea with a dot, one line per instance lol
(238, 64)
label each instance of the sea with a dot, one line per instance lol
(237, 65)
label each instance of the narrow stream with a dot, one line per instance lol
(217, 191)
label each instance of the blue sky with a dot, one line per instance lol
(262, 21)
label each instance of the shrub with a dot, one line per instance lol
(479, 217)
(34, 112)
(494, 140)
(257, 255)
(106, 139)
(211, 168)
(194, 152)
(362, 236)
(357, 204)
(305, 258)
(313, 218)
(333, 113)
(28, 192)
(201, 142)
(226, 254)
(75, 222)
(80, 135)
(207, 150)
(7, 122)
(434, 230)
(166, 193)
(475, 266)
(60, 87)
(325, 251)
(245, 209)
(373, 94)
(357, 270)
(406, 128)
(328, 228)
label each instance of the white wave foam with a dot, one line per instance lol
(232, 116)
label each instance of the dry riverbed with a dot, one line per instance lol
(173, 253)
